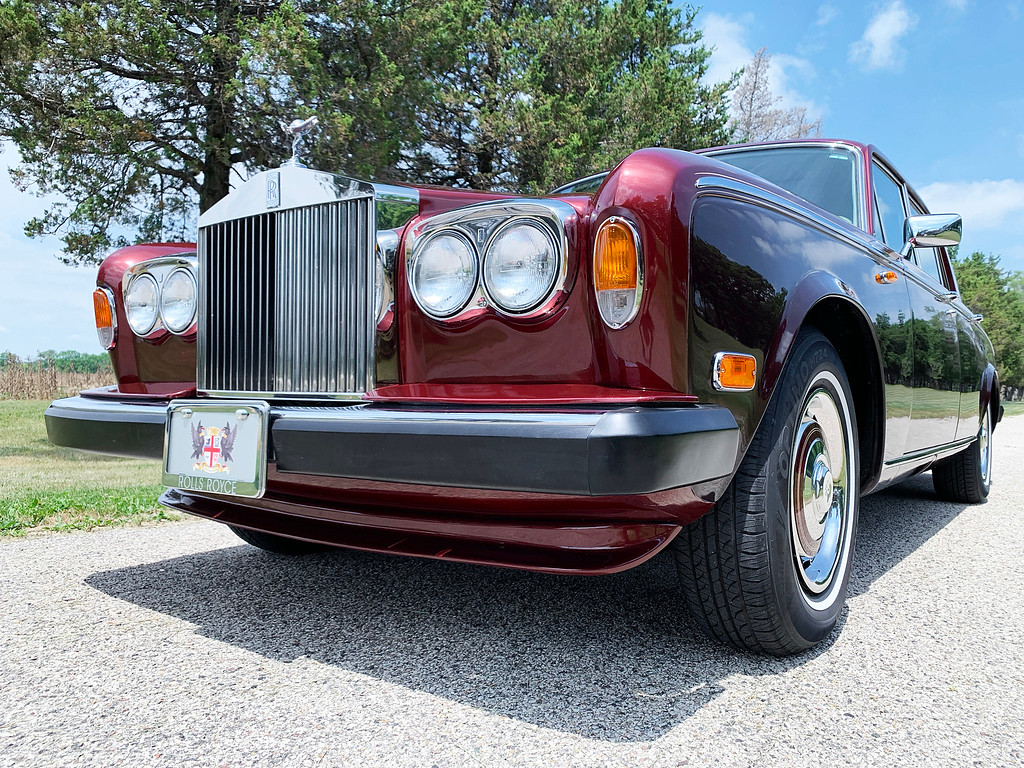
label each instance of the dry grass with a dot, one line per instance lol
(24, 383)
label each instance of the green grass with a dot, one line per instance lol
(46, 488)
(1014, 409)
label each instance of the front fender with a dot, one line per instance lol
(758, 274)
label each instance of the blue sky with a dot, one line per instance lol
(937, 86)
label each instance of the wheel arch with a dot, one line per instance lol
(990, 394)
(847, 328)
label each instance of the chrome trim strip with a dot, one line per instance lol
(281, 395)
(713, 183)
(106, 408)
(378, 414)
(938, 452)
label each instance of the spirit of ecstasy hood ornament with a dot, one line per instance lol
(297, 129)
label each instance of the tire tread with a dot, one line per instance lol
(723, 558)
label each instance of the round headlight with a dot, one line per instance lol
(178, 301)
(521, 266)
(443, 273)
(140, 304)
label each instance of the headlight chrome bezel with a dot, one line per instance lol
(466, 239)
(557, 276)
(135, 285)
(480, 224)
(158, 270)
(191, 277)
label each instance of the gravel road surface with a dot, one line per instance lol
(179, 646)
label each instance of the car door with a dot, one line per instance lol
(973, 356)
(935, 407)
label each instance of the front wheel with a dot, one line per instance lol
(767, 569)
(967, 476)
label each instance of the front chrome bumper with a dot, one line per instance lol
(588, 452)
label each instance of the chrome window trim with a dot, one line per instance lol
(729, 187)
(554, 214)
(568, 188)
(877, 162)
(860, 183)
(639, 294)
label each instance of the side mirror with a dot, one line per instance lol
(934, 230)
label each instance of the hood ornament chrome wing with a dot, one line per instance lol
(297, 129)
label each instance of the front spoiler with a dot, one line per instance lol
(584, 452)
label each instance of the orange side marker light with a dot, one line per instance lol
(734, 372)
(886, 277)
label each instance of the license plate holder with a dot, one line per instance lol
(217, 447)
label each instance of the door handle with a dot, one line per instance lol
(948, 296)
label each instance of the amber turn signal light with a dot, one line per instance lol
(886, 277)
(106, 319)
(618, 271)
(734, 372)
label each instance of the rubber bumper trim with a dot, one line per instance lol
(622, 451)
(630, 450)
(107, 426)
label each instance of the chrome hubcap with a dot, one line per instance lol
(820, 491)
(984, 448)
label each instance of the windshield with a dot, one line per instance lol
(587, 186)
(821, 175)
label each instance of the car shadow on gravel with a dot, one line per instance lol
(608, 658)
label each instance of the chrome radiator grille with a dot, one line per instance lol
(286, 301)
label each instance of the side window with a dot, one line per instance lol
(889, 200)
(928, 259)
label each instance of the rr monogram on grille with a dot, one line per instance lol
(273, 189)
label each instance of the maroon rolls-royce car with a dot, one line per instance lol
(717, 353)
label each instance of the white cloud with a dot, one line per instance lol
(879, 47)
(983, 204)
(727, 37)
(957, 5)
(826, 15)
